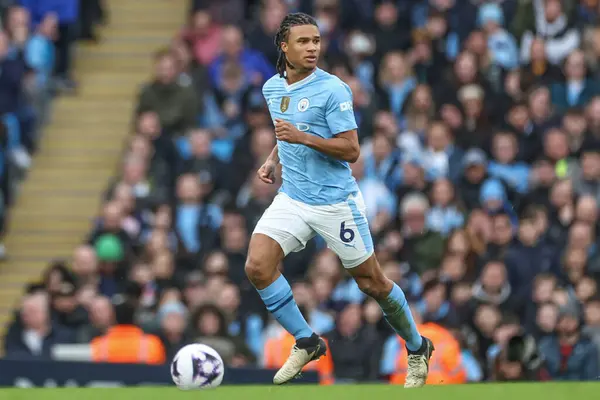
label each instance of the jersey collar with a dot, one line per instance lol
(300, 83)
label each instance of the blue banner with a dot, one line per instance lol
(27, 374)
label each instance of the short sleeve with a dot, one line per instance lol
(339, 111)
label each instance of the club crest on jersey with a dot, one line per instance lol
(285, 103)
(303, 105)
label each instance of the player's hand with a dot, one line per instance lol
(287, 132)
(266, 172)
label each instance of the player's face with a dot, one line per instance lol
(303, 47)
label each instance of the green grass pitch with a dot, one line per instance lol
(544, 391)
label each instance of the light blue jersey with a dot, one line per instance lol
(321, 105)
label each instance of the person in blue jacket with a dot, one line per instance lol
(504, 166)
(501, 43)
(67, 12)
(570, 355)
(254, 64)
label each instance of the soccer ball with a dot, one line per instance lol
(197, 366)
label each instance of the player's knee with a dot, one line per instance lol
(374, 286)
(257, 271)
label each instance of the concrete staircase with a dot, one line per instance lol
(82, 145)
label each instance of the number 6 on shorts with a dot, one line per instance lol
(346, 235)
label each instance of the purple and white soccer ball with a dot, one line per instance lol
(197, 366)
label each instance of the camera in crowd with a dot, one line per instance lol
(520, 360)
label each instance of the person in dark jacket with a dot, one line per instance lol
(423, 248)
(494, 288)
(101, 316)
(475, 173)
(175, 104)
(33, 334)
(569, 354)
(435, 306)
(12, 73)
(209, 327)
(355, 348)
(501, 237)
(527, 256)
(66, 310)
(577, 90)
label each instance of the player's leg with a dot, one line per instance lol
(346, 231)
(264, 255)
(280, 231)
(372, 281)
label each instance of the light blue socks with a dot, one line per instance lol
(280, 302)
(398, 315)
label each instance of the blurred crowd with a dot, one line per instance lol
(480, 168)
(36, 51)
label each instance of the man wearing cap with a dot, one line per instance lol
(570, 355)
(110, 252)
(474, 174)
(172, 319)
(502, 45)
(494, 200)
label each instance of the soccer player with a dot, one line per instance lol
(316, 139)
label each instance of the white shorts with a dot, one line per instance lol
(343, 226)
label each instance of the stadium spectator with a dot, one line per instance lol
(554, 24)
(102, 317)
(67, 12)
(34, 333)
(355, 347)
(501, 43)
(175, 105)
(126, 343)
(422, 247)
(569, 354)
(65, 309)
(210, 327)
(172, 321)
(260, 35)
(204, 36)
(253, 65)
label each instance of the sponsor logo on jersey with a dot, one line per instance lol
(346, 106)
(302, 127)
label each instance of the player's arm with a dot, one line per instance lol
(266, 172)
(274, 156)
(344, 146)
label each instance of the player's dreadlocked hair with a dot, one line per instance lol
(291, 20)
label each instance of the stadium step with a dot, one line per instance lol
(83, 143)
